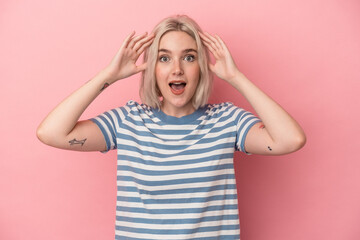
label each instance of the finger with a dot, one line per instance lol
(206, 41)
(213, 40)
(204, 37)
(124, 44)
(212, 44)
(136, 39)
(141, 42)
(127, 39)
(212, 50)
(143, 47)
(208, 45)
(201, 34)
(221, 42)
(141, 67)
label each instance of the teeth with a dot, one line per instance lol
(177, 84)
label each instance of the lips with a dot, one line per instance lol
(177, 87)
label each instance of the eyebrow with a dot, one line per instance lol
(185, 50)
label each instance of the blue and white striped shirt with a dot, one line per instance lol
(175, 176)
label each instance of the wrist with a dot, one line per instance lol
(235, 77)
(106, 76)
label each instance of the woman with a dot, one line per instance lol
(175, 176)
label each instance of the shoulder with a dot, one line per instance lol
(121, 112)
(229, 112)
(221, 108)
(138, 111)
(135, 107)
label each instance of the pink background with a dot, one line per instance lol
(304, 54)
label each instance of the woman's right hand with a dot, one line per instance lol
(62, 128)
(123, 64)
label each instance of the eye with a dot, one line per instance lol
(189, 58)
(163, 59)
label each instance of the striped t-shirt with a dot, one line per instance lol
(175, 176)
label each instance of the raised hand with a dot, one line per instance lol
(124, 63)
(224, 67)
(62, 128)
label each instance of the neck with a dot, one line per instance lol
(177, 111)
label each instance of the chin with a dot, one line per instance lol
(182, 104)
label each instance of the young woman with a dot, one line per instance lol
(175, 175)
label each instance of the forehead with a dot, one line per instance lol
(177, 40)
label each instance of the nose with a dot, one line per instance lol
(177, 68)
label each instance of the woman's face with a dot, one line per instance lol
(177, 72)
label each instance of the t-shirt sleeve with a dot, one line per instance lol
(244, 120)
(109, 122)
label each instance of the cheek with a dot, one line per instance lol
(195, 72)
(160, 72)
(160, 76)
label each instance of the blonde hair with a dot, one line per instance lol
(149, 91)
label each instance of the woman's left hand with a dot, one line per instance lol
(224, 67)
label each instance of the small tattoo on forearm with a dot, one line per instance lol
(74, 141)
(105, 86)
(269, 148)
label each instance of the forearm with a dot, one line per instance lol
(282, 128)
(63, 118)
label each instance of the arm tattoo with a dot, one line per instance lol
(262, 126)
(74, 141)
(105, 86)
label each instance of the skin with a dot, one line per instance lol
(280, 133)
(176, 63)
(62, 124)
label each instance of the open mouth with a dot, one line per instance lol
(177, 87)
